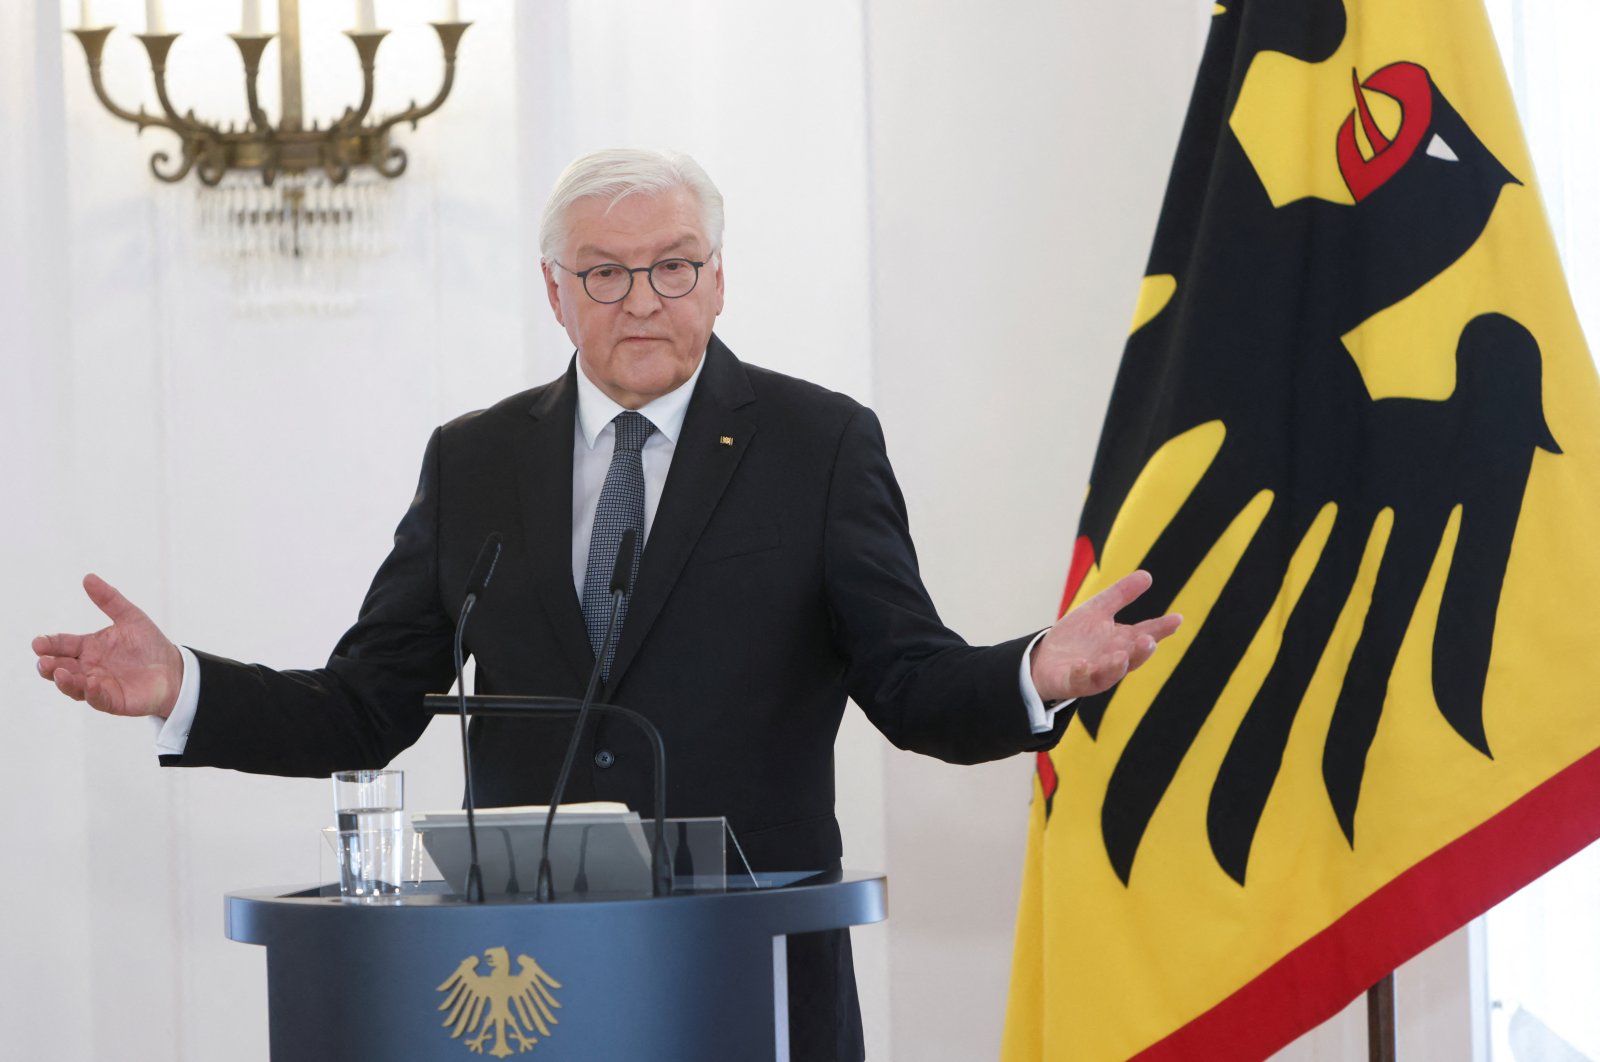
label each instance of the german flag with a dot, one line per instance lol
(1355, 437)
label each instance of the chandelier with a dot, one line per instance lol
(211, 151)
(274, 190)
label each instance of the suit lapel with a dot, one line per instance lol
(545, 481)
(702, 465)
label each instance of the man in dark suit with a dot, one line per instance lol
(777, 578)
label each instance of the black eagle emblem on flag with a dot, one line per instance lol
(1249, 345)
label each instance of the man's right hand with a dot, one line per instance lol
(128, 668)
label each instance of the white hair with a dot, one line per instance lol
(617, 173)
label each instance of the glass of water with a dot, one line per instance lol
(368, 808)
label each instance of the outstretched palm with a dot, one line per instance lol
(1088, 651)
(127, 668)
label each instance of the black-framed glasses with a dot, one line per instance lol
(608, 282)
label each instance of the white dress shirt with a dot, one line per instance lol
(594, 440)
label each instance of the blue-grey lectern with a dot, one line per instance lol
(694, 975)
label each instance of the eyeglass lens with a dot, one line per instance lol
(672, 278)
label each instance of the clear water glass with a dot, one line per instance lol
(369, 814)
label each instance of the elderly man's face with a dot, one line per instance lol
(644, 346)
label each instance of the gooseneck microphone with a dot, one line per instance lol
(477, 583)
(514, 707)
(621, 586)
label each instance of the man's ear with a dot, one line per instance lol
(554, 293)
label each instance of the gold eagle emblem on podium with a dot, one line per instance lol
(500, 1004)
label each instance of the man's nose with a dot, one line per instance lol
(641, 300)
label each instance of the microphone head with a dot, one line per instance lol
(483, 567)
(622, 574)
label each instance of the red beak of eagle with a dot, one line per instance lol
(1408, 85)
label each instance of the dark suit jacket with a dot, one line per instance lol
(778, 578)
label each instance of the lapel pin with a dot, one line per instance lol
(725, 440)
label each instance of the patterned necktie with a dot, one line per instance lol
(621, 506)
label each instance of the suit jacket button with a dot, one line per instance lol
(604, 758)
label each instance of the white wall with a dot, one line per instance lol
(44, 789)
(239, 476)
(1019, 157)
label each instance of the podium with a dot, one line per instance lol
(694, 975)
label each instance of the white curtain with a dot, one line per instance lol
(1543, 956)
(1548, 47)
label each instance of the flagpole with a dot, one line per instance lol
(1380, 1021)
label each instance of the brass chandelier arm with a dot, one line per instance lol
(159, 159)
(202, 142)
(158, 45)
(449, 38)
(337, 169)
(367, 52)
(392, 162)
(94, 42)
(212, 164)
(250, 49)
(192, 135)
(271, 163)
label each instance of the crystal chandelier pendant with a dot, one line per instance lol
(295, 247)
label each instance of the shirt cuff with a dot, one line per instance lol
(172, 733)
(1041, 719)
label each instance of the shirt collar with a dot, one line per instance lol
(596, 409)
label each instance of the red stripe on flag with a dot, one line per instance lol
(1048, 781)
(1082, 561)
(1419, 907)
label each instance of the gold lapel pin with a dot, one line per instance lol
(726, 440)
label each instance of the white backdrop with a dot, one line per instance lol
(1542, 943)
(889, 166)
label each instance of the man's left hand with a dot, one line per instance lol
(1088, 651)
